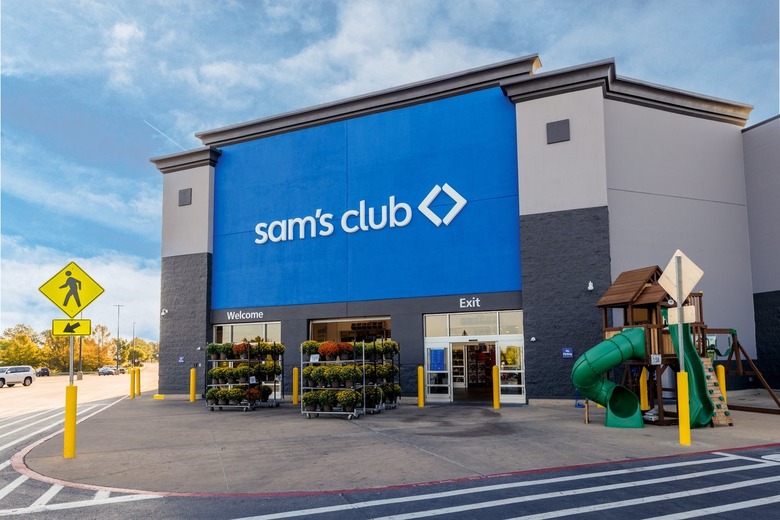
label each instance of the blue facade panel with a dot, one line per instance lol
(332, 213)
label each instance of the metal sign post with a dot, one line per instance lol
(71, 290)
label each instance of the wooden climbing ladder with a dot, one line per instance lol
(720, 415)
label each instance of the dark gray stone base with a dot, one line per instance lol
(767, 312)
(561, 253)
(186, 295)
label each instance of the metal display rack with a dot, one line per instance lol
(253, 381)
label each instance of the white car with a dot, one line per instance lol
(12, 375)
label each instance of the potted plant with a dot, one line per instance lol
(350, 374)
(310, 400)
(261, 372)
(328, 400)
(348, 399)
(212, 394)
(373, 396)
(222, 396)
(243, 372)
(226, 351)
(332, 375)
(241, 350)
(390, 348)
(252, 395)
(217, 375)
(235, 395)
(370, 372)
(276, 350)
(309, 373)
(265, 393)
(329, 350)
(230, 375)
(213, 350)
(262, 350)
(308, 348)
(345, 350)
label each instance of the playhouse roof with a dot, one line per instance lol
(635, 287)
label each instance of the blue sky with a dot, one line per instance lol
(91, 89)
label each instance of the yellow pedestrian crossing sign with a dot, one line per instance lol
(71, 327)
(71, 289)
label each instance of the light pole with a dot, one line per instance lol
(117, 336)
(132, 352)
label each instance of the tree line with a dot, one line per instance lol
(21, 345)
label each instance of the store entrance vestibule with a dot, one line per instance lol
(472, 371)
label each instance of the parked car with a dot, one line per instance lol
(24, 374)
(106, 371)
(43, 371)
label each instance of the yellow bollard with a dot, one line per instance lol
(138, 381)
(132, 384)
(192, 384)
(71, 399)
(420, 387)
(683, 409)
(296, 384)
(644, 402)
(496, 389)
(720, 374)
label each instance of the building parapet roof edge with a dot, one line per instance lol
(205, 156)
(397, 97)
(628, 90)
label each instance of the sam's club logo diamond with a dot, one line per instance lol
(425, 209)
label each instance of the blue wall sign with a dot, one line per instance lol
(437, 363)
(568, 352)
(419, 201)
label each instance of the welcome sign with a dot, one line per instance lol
(420, 201)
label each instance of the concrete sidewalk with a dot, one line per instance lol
(176, 446)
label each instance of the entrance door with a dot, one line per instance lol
(510, 371)
(438, 377)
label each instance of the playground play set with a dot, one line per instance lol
(647, 347)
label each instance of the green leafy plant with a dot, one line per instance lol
(374, 395)
(235, 394)
(332, 374)
(309, 373)
(350, 373)
(217, 373)
(214, 349)
(348, 399)
(328, 398)
(265, 392)
(226, 351)
(277, 349)
(390, 347)
(212, 394)
(244, 371)
(310, 347)
(311, 398)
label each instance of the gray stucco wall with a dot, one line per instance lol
(186, 295)
(561, 252)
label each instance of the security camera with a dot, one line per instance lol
(163, 312)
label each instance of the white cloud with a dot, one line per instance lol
(81, 192)
(123, 43)
(128, 280)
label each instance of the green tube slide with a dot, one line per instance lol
(701, 406)
(588, 377)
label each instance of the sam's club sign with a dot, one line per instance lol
(420, 201)
(364, 218)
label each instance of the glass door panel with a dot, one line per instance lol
(510, 372)
(438, 377)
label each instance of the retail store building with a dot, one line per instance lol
(475, 218)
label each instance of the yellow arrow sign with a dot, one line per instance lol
(71, 289)
(71, 327)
